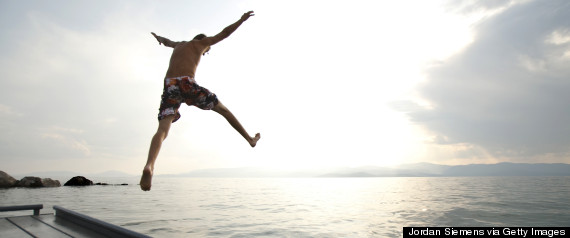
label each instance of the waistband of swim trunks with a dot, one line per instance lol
(182, 78)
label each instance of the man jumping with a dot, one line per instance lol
(180, 87)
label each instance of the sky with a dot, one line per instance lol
(326, 83)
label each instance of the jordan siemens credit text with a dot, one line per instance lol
(511, 232)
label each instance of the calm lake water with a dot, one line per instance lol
(309, 207)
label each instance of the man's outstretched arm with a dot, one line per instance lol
(228, 30)
(164, 41)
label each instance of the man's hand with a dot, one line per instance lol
(155, 36)
(246, 15)
(165, 41)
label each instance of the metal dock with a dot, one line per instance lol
(64, 223)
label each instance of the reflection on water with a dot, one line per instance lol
(311, 207)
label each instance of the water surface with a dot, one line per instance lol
(310, 207)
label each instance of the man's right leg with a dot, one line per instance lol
(156, 143)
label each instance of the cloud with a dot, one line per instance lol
(68, 142)
(507, 92)
(73, 93)
(479, 6)
(8, 111)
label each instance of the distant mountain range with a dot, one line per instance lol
(407, 170)
(434, 170)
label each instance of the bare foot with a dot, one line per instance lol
(254, 140)
(146, 179)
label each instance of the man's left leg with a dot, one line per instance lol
(156, 143)
(224, 111)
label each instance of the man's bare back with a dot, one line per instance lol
(181, 86)
(185, 58)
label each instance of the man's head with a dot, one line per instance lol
(200, 37)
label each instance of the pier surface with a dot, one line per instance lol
(64, 223)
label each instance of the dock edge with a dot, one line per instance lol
(96, 225)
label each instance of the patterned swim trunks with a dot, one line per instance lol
(184, 89)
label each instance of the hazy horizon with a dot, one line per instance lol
(404, 170)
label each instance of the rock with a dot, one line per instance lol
(30, 182)
(106, 184)
(47, 182)
(7, 181)
(78, 181)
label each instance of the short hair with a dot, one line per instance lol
(199, 37)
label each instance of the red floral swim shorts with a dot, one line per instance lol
(184, 89)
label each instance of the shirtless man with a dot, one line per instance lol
(180, 87)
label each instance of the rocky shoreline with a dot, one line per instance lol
(7, 181)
